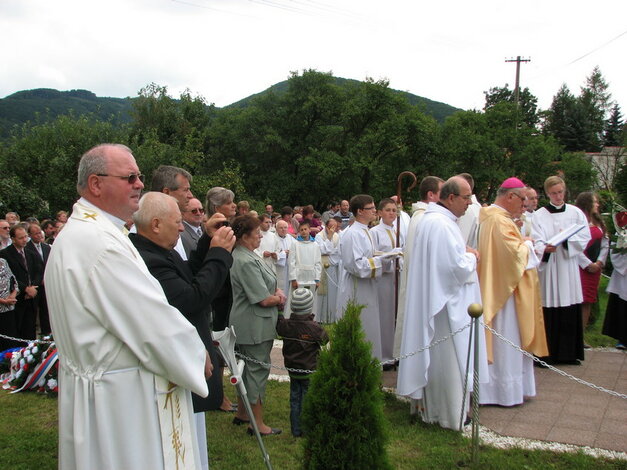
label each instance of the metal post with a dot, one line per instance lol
(475, 311)
(225, 341)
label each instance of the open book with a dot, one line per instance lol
(558, 238)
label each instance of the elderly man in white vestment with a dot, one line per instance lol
(510, 292)
(429, 191)
(282, 265)
(127, 358)
(442, 282)
(269, 249)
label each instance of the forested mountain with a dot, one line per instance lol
(310, 140)
(45, 104)
(436, 109)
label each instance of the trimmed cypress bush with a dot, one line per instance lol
(343, 409)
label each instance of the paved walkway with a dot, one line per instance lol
(563, 410)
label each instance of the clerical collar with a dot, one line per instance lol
(442, 209)
(119, 223)
(554, 209)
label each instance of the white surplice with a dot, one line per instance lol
(384, 239)
(469, 223)
(560, 281)
(442, 282)
(618, 281)
(326, 303)
(120, 344)
(269, 242)
(358, 280)
(305, 263)
(511, 374)
(418, 210)
(282, 262)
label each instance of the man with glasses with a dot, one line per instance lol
(361, 268)
(469, 222)
(441, 283)
(124, 388)
(175, 182)
(193, 224)
(5, 238)
(510, 293)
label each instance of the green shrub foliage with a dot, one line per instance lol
(343, 409)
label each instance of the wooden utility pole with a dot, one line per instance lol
(518, 60)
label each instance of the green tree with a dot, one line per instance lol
(44, 158)
(614, 135)
(578, 173)
(15, 197)
(343, 409)
(528, 103)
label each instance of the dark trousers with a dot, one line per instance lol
(42, 311)
(298, 390)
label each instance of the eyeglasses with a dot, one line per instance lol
(522, 198)
(467, 197)
(197, 211)
(130, 179)
(5, 228)
(369, 208)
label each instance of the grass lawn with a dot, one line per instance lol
(28, 436)
(28, 440)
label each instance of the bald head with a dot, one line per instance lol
(281, 228)
(455, 195)
(159, 219)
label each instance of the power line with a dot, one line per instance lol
(596, 49)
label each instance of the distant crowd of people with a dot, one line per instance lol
(135, 282)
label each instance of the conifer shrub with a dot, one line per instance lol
(343, 409)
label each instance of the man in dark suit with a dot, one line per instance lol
(41, 250)
(28, 273)
(159, 223)
(192, 222)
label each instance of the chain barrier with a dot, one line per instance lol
(389, 361)
(555, 369)
(22, 340)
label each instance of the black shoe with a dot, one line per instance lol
(468, 421)
(238, 422)
(272, 432)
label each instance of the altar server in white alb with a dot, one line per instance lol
(305, 262)
(510, 293)
(429, 191)
(282, 263)
(128, 359)
(269, 248)
(361, 270)
(329, 243)
(384, 239)
(560, 280)
(442, 282)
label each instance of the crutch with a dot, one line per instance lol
(225, 341)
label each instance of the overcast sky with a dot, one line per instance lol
(225, 50)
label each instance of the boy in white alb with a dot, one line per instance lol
(305, 261)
